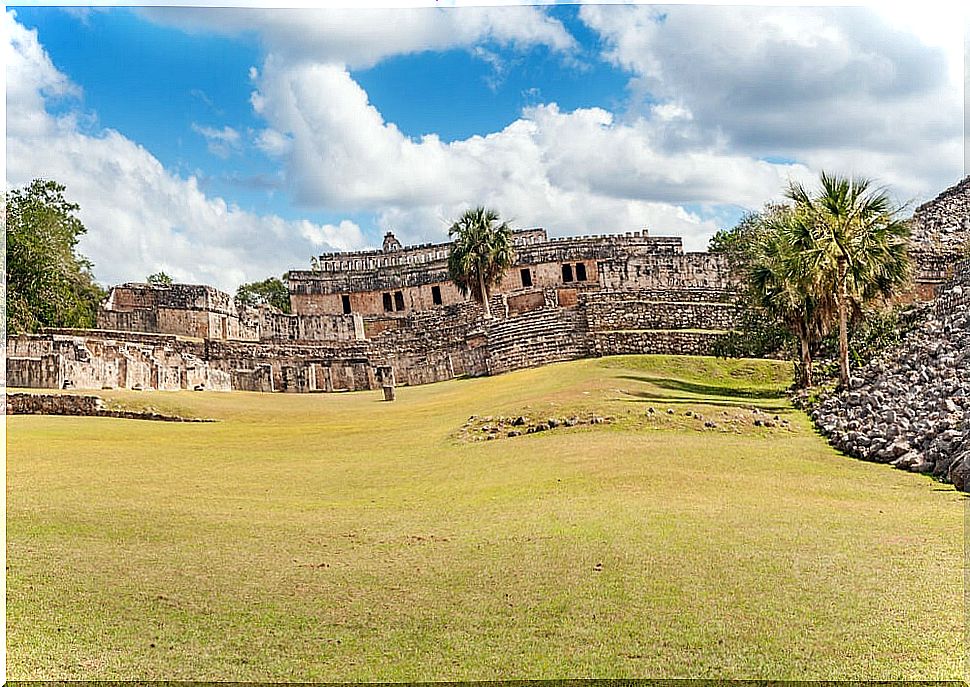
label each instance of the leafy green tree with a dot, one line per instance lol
(781, 308)
(782, 283)
(159, 279)
(480, 253)
(271, 291)
(853, 244)
(48, 283)
(759, 331)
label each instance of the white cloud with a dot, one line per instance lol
(140, 217)
(360, 38)
(220, 142)
(31, 79)
(577, 171)
(272, 142)
(839, 87)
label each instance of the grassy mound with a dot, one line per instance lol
(338, 537)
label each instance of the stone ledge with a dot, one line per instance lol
(81, 406)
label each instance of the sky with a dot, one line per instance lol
(227, 145)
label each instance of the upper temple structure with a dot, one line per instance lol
(358, 318)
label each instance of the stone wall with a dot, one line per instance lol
(941, 235)
(667, 271)
(668, 342)
(193, 310)
(101, 360)
(650, 309)
(85, 406)
(910, 408)
(53, 404)
(269, 324)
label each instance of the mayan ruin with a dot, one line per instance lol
(565, 298)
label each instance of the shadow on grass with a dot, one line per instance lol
(660, 400)
(707, 389)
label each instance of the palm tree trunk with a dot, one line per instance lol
(484, 293)
(807, 375)
(843, 297)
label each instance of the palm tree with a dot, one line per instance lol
(779, 278)
(854, 244)
(480, 254)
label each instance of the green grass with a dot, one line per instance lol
(337, 537)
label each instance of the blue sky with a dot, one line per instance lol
(225, 145)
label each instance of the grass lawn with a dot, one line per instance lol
(337, 537)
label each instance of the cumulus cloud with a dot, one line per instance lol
(575, 171)
(360, 38)
(140, 217)
(837, 87)
(723, 91)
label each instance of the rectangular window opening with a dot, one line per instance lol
(345, 301)
(398, 300)
(388, 303)
(567, 272)
(580, 271)
(436, 295)
(526, 277)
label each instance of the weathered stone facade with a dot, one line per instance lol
(910, 408)
(940, 238)
(183, 309)
(93, 359)
(396, 308)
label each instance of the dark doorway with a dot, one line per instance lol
(436, 295)
(388, 303)
(345, 300)
(580, 272)
(398, 300)
(567, 272)
(526, 277)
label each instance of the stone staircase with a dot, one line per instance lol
(536, 338)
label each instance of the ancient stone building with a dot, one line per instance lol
(184, 309)
(940, 237)
(396, 281)
(396, 309)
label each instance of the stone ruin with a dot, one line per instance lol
(395, 310)
(940, 234)
(910, 408)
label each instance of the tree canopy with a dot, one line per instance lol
(271, 291)
(853, 244)
(159, 279)
(481, 251)
(48, 283)
(780, 307)
(809, 268)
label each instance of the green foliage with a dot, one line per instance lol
(48, 283)
(877, 330)
(814, 266)
(781, 311)
(159, 279)
(853, 245)
(480, 253)
(271, 291)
